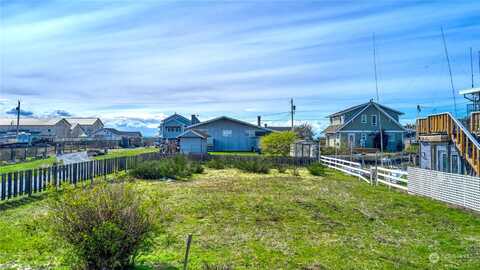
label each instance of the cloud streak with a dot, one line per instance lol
(116, 59)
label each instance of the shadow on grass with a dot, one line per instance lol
(17, 202)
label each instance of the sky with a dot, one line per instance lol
(132, 63)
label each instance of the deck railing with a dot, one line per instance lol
(475, 122)
(446, 124)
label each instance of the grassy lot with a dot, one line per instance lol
(49, 161)
(233, 153)
(273, 221)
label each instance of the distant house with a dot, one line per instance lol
(193, 141)
(84, 126)
(43, 128)
(229, 134)
(125, 138)
(359, 127)
(174, 125)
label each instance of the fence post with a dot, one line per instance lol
(187, 251)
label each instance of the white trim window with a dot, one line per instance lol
(364, 118)
(227, 133)
(374, 120)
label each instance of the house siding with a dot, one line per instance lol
(362, 134)
(176, 121)
(238, 140)
(193, 145)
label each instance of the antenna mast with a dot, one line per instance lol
(471, 65)
(375, 66)
(450, 72)
(378, 98)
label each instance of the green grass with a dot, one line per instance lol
(274, 221)
(234, 153)
(28, 165)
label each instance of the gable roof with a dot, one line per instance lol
(176, 116)
(228, 119)
(362, 106)
(193, 133)
(121, 133)
(331, 129)
(84, 121)
(279, 128)
(376, 105)
(31, 121)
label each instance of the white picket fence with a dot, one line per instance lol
(374, 175)
(455, 189)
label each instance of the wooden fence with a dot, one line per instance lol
(28, 182)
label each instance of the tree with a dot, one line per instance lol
(304, 131)
(278, 143)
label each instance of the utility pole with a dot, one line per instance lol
(292, 111)
(18, 117)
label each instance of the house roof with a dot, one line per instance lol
(84, 121)
(331, 129)
(30, 121)
(193, 133)
(361, 106)
(122, 133)
(279, 128)
(176, 115)
(228, 119)
(376, 105)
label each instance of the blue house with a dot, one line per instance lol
(228, 134)
(174, 125)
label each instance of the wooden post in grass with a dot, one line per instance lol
(187, 251)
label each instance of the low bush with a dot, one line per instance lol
(216, 163)
(106, 226)
(316, 169)
(253, 165)
(281, 168)
(174, 168)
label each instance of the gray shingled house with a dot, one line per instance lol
(359, 127)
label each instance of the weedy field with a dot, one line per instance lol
(270, 221)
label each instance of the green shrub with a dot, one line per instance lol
(105, 225)
(278, 143)
(216, 163)
(253, 165)
(316, 169)
(174, 168)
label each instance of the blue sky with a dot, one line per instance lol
(134, 62)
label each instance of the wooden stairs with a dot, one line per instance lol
(465, 139)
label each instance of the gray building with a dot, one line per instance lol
(84, 126)
(229, 134)
(359, 127)
(42, 128)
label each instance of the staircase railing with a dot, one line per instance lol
(445, 123)
(475, 122)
